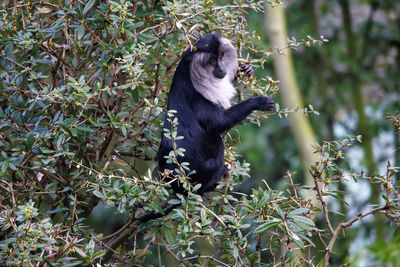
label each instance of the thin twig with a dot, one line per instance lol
(345, 225)
(54, 54)
(159, 254)
(323, 202)
(171, 252)
(207, 257)
(215, 215)
(258, 247)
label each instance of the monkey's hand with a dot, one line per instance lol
(247, 69)
(265, 103)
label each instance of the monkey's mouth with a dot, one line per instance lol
(220, 74)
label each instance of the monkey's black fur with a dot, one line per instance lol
(202, 122)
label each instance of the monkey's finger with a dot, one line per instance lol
(249, 72)
(271, 104)
(247, 69)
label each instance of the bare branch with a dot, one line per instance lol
(345, 225)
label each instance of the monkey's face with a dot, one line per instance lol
(213, 68)
(217, 65)
(215, 57)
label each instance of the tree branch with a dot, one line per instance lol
(323, 203)
(347, 224)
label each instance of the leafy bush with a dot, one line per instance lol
(83, 89)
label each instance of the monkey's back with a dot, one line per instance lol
(204, 151)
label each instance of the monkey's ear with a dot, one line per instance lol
(202, 46)
(208, 42)
(187, 56)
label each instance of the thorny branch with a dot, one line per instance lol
(346, 224)
(319, 176)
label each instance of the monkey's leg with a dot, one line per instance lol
(217, 176)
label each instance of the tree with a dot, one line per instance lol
(300, 126)
(82, 97)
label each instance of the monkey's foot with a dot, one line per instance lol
(227, 171)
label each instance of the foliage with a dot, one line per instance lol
(82, 93)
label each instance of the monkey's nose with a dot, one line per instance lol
(218, 73)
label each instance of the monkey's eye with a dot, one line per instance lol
(221, 55)
(212, 60)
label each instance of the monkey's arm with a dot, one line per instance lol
(225, 120)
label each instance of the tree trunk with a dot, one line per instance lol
(283, 65)
(364, 127)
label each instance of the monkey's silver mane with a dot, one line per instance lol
(218, 91)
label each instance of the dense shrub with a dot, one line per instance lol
(83, 89)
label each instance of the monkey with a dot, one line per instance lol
(200, 93)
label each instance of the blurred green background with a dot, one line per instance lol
(353, 81)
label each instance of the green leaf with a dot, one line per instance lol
(174, 201)
(89, 5)
(335, 195)
(81, 31)
(302, 219)
(57, 210)
(298, 211)
(297, 240)
(80, 251)
(266, 226)
(98, 194)
(203, 215)
(85, 128)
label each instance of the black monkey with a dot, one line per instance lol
(200, 93)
